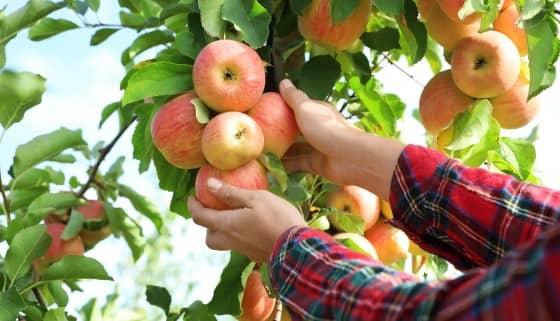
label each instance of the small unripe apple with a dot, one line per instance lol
(390, 243)
(357, 201)
(316, 24)
(485, 65)
(228, 75)
(249, 176)
(255, 303)
(176, 132)
(277, 121)
(231, 139)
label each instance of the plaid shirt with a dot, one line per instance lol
(501, 232)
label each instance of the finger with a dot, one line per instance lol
(298, 149)
(209, 218)
(299, 164)
(230, 195)
(217, 241)
(294, 97)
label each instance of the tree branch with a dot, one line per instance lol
(394, 64)
(104, 151)
(39, 297)
(5, 200)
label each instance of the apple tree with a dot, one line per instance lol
(332, 49)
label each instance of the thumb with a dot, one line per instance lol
(294, 97)
(232, 196)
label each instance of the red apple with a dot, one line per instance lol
(355, 200)
(424, 7)
(390, 243)
(506, 23)
(451, 9)
(445, 31)
(228, 76)
(256, 304)
(231, 139)
(96, 228)
(440, 101)
(249, 176)
(485, 65)
(176, 132)
(277, 121)
(316, 24)
(59, 247)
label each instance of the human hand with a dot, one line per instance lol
(252, 227)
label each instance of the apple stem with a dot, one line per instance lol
(103, 153)
(5, 201)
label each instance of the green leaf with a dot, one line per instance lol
(31, 179)
(142, 205)
(50, 202)
(414, 34)
(184, 42)
(275, 167)
(229, 291)
(198, 311)
(391, 7)
(470, 126)
(58, 293)
(2, 55)
(142, 139)
(74, 225)
(318, 76)
(342, 9)
(379, 110)
(296, 192)
(19, 91)
(55, 315)
(158, 79)
(346, 222)
(108, 111)
(144, 42)
(159, 297)
(433, 57)
(45, 147)
(11, 303)
(132, 19)
(489, 10)
(250, 18)
(384, 39)
(93, 4)
(23, 197)
(202, 112)
(49, 27)
(101, 35)
(76, 267)
(122, 225)
(298, 6)
(211, 17)
(544, 47)
(32, 313)
(514, 157)
(26, 246)
(24, 17)
(477, 154)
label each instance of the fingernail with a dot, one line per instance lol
(286, 83)
(213, 184)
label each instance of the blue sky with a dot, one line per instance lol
(81, 80)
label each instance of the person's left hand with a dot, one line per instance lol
(252, 227)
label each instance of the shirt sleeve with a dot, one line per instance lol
(469, 216)
(319, 279)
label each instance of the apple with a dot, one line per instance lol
(451, 9)
(277, 121)
(424, 7)
(228, 75)
(59, 247)
(445, 31)
(358, 243)
(440, 101)
(485, 65)
(355, 200)
(176, 132)
(390, 243)
(506, 23)
(231, 139)
(249, 176)
(255, 303)
(511, 109)
(386, 210)
(96, 226)
(316, 24)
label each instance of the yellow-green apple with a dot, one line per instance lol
(357, 242)
(316, 24)
(485, 65)
(445, 31)
(176, 132)
(451, 9)
(390, 243)
(96, 227)
(59, 247)
(440, 101)
(249, 176)
(424, 7)
(277, 121)
(354, 200)
(228, 75)
(507, 23)
(231, 139)
(255, 303)
(511, 109)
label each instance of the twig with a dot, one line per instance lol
(394, 64)
(104, 151)
(5, 200)
(39, 297)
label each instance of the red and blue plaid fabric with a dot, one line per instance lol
(502, 233)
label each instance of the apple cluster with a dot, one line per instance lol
(95, 229)
(229, 78)
(487, 65)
